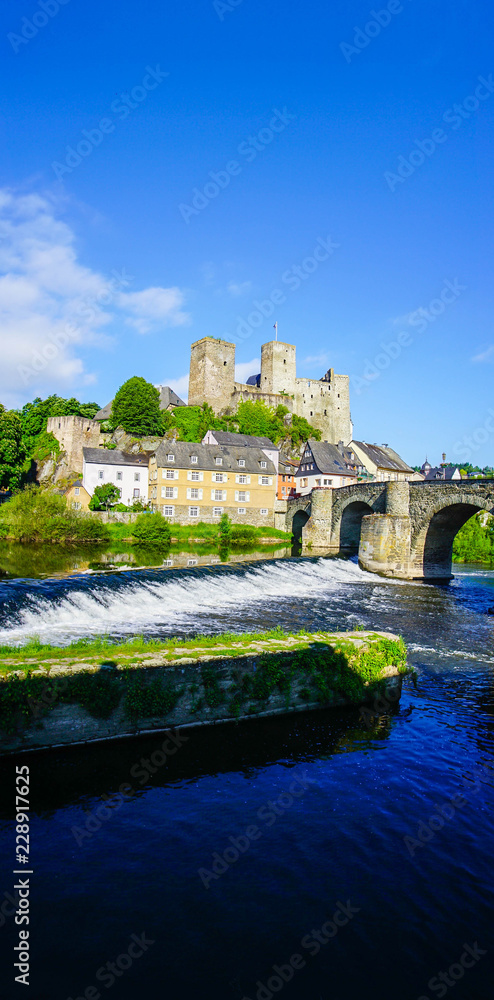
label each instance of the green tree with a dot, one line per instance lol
(225, 529)
(104, 497)
(151, 529)
(136, 407)
(12, 452)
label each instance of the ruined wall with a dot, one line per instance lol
(74, 434)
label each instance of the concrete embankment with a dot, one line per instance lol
(75, 695)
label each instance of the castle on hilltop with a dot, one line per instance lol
(324, 402)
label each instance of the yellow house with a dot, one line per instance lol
(77, 496)
(199, 482)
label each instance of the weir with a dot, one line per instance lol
(68, 695)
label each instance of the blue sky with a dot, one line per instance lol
(113, 259)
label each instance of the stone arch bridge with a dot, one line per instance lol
(403, 530)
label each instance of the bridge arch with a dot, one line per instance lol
(350, 525)
(432, 538)
(299, 520)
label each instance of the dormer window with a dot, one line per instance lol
(170, 458)
(193, 459)
(263, 465)
(218, 460)
(241, 463)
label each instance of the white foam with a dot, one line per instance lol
(137, 606)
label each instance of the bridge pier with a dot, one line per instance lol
(317, 531)
(385, 538)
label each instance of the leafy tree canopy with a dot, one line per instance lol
(34, 415)
(136, 408)
(12, 452)
(104, 497)
(252, 417)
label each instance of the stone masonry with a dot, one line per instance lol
(324, 402)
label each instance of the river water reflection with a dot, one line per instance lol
(373, 829)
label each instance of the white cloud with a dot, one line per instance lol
(154, 308)
(247, 368)
(239, 288)
(316, 359)
(487, 355)
(52, 306)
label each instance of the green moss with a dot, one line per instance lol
(147, 699)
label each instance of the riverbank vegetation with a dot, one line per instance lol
(35, 515)
(474, 543)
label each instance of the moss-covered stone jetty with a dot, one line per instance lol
(95, 689)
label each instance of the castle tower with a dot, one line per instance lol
(212, 373)
(277, 368)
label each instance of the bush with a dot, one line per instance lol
(151, 529)
(104, 497)
(36, 515)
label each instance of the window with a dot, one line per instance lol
(191, 562)
(218, 494)
(168, 512)
(77, 491)
(193, 511)
(241, 463)
(242, 496)
(170, 458)
(218, 460)
(136, 494)
(263, 465)
(100, 474)
(154, 493)
(137, 477)
(169, 473)
(193, 459)
(76, 506)
(264, 511)
(169, 492)
(195, 476)
(217, 511)
(243, 479)
(219, 477)
(265, 481)
(119, 476)
(168, 562)
(241, 510)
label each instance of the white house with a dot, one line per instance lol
(128, 472)
(323, 465)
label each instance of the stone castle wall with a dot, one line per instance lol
(73, 434)
(324, 403)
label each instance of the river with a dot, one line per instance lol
(348, 831)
